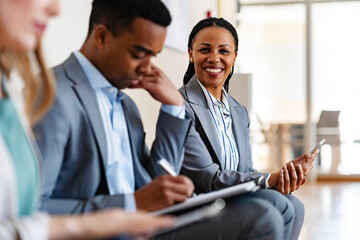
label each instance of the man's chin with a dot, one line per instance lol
(127, 83)
(132, 83)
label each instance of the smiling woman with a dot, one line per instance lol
(213, 53)
(217, 150)
(216, 24)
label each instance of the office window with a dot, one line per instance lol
(244, 2)
(272, 50)
(336, 79)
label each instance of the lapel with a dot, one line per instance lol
(238, 131)
(88, 100)
(198, 103)
(137, 139)
(132, 122)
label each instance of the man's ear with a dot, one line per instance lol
(101, 36)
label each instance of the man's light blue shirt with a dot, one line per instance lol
(119, 168)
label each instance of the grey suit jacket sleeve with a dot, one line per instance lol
(171, 133)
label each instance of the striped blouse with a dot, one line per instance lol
(220, 113)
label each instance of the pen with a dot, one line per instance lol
(166, 166)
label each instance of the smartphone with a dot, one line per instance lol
(318, 146)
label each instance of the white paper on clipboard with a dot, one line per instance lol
(209, 197)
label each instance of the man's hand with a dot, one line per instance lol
(163, 191)
(160, 87)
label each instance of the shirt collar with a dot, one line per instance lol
(211, 100)
(96, 79)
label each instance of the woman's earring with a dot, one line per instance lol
(191, 60)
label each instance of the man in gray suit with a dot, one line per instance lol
(93, 126)
(92, 140)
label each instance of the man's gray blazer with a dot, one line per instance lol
(72, 142)
(202, 149)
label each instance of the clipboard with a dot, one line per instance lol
(213, 210)
(208, 198)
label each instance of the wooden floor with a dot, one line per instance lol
(332, 210)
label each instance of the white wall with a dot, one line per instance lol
(67, 32)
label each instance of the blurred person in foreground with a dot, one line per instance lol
(23, 100)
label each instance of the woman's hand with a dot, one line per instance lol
(293, 174)
(290, 178)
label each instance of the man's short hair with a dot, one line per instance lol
(119, 15)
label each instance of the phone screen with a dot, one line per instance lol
(318, 146)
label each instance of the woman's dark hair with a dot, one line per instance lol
(205, 23)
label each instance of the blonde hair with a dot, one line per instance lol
(39, 92)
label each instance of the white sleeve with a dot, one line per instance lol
(11, 228)
(27, 228)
